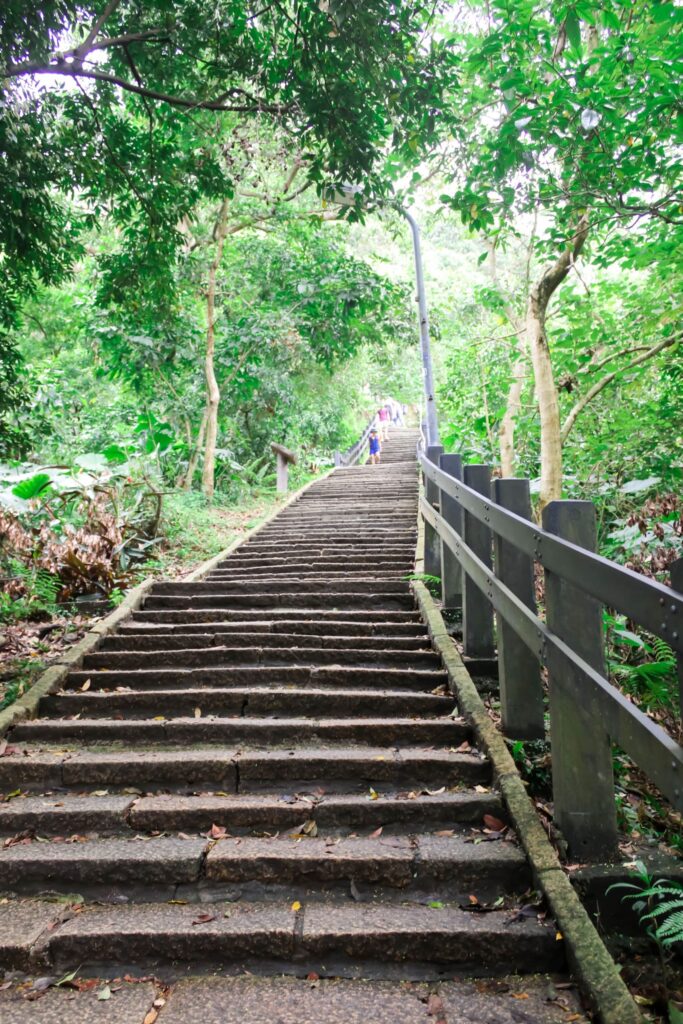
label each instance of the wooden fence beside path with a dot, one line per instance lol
(481, 541)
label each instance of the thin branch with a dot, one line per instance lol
(159, 34)
(77, 72)
(607, 379)
(92, 34)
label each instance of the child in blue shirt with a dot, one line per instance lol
(375, 448)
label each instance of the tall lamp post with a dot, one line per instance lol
(347, 197)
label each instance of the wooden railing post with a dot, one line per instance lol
(432, 560)
(451, 573)
(521, 692)
(477, 611)
(676, 575)
(583, 777)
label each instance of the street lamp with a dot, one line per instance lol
(347, 197)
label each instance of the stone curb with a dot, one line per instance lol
(589, 960)
(204, 568)
(53, 677)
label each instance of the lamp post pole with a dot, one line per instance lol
(425, 346)
(347, 197)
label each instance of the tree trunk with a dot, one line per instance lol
(546, 390)
(194, 457)
(508, 454)
(213, 395)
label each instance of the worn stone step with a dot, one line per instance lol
(290, 1000)
(272, 812)
(330, 599)
(315, 585)
(226, 655)
(397, 861)
(236, 675)
(62, 815)
(285, 731)
(305, 575)
(357, 622)
(295, 567)
(238, 932)
(279, 701)
(343, 769)
(159, 638)
(452, 864)
(102, 863)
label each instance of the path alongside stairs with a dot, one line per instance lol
(263, 771)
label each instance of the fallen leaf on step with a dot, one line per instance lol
(217, 832)
(481, 789)
(204, 919)
(86, 685)
(355, 892)
(473, 900)
(435, 792)
(377, 833)
(158, 718)
(495, 824)
(151, 1016)
(445, 832)
(464, 748)
(104, 993)
(373, 794)
(296, 905)
(436, 1008)
(197, 712)
(519, 995)
(310, 828)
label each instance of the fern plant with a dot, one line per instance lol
(659, 905)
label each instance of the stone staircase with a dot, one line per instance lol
(264, 771)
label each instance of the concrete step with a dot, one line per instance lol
(321, 623)
(159, 864)
(315, 584)
(337, 931)
(225, 654)
(164, 638)
(343, 769)
(289, 702)
(243, 731)
(237, 675)
(66, 814)
(323, 598)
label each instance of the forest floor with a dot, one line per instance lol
(193, 532)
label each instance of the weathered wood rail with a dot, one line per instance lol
(481, 541)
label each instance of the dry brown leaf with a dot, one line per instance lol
(151, 1016)
(197, 712)
(377, 833)
(495, 824)
(204, 919)
(86, 685)
(309, 828)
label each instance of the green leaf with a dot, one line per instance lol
(573, 29)
(32, 487)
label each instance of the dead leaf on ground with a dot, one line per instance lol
(377, 833)
(204, 919)
(151, 1016)
(86, 686)
(495, 824)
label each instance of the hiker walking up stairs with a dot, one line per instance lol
(264, 772)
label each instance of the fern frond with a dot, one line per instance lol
(664, 908)
(671, 930)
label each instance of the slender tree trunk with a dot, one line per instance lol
(546, 390)
(213, 395)
(508, 453)
(194, 457)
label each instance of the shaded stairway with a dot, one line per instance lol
(265, 769)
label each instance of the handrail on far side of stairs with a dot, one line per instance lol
(481, 542)
(353, 455)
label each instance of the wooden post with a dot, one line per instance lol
(676, 574)
(451, 573)
(583, 778)
(521, 692)
(432, 560)
(477, 611)
(284, 457)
